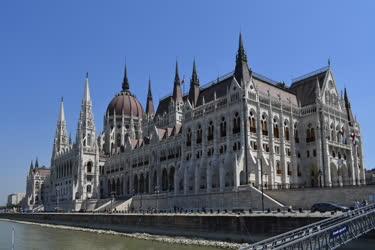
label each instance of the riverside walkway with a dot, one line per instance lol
(330, 233)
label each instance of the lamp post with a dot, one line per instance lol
(261, 181)
(157, 198)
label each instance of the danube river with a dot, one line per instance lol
(29, 236)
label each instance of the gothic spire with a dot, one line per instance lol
(194, 86)
(177, 92)
(125, 82)
(348, 107)
(61, 136)
(149, 104)
(87, 96)
(36, 162)
(242, 72)
(31, 165)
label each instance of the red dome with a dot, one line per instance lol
(125, 103)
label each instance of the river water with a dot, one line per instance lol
(30, 236)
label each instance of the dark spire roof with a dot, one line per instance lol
(194, 76)
(36, 163)
(194, 86)
(125, 82)
(241, 71)
(177, 93)
(31, 165)
(348, 107)
(149, 105)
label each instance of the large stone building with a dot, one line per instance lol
(241, 129)
(37, 186)
(15, 199)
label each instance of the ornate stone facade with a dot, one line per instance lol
(241, 129)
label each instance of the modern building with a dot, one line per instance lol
(241, 129)
(15, 199)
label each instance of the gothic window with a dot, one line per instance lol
(89, 139)
(188, 137)
(223, 127)
(299, 170)
(310, 133)
(88, 188)
(286, 130)
(332, 135)
(278, 168)
(289, 168)
(236, 123)
(253, 128)
(89, 167)
(264, 125)
(118, 140)
(296, 137)
(276, 133)
(210, 135)
(199, 134)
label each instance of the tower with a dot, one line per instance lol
(242, 73)
(61, 141)
(194, 86)
(175, 108)
(88, 153)
(150, 111)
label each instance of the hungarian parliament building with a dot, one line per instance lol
(242, 129)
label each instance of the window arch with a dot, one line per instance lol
(236, 123)
(210, 134)
(89, 167)
(199, 134)
(276, 131)
(264, 125)
(223, 127)
(286, 130)
(296, 136)
(188, 137)
(310, 133)
(253, 126)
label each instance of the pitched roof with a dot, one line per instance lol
(305, 87)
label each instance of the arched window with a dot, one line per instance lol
(296, 137)
(188, 137)
(289, 167)
(236, 123)
(199, 134)
(264, 125)
(286, 130)
(210, 134)
(278, 168)
(253, 127)
(88, 188)
(223, 127)
(89, 167)
(310, 133)
(276, 133)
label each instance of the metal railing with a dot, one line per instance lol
(330, 233)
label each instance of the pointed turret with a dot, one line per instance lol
(242, 73)
(31, 165)
(86, 124)
(194, 86)
(87, 96)
(348, 108)
(125, 82)
(150, 104)
(36, 163)
(177, 92)
(61, 140)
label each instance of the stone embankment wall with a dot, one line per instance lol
(224, 227)
(305, 198)
(245, 197)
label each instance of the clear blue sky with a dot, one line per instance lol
(47, 46)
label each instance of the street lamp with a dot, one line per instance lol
(157, 198)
